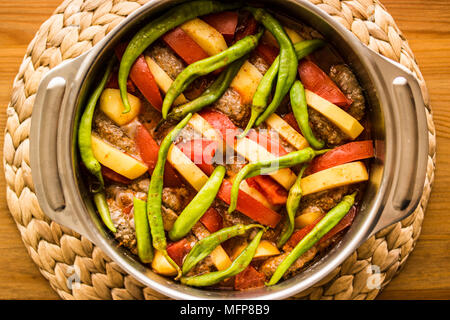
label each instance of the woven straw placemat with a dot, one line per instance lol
(63, 255)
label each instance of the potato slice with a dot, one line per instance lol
(287, 132)
(220, 258)
(117, 160)
(208, 38)
(266, 249)
(161, 266)
(188, 169)
(334, 177)
(344, 121)
(111, 105)
(307, 218)
(163, 80)
(246, 82)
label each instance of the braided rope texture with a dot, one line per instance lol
(74, 28)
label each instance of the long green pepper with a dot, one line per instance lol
(206, 66)
(156, 28)
(238, 265)
(205, 246)
(143, 235)
(198, 205)
(154, 199)
(266, 166)
(261, 96)
(292, 204)
(213, 93)
(300, 110)
(86, 153)
(287, 70)
(327, 223)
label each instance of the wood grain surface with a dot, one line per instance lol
(425, 23)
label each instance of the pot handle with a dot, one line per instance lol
(51, 99)
(410, 143)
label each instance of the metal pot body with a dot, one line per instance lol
(398, 125)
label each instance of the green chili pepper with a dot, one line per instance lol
(238, 265)
(211, 95)
(287, 69)
(261, 97)
(208, 65)
(154, 198)
(86, 153)
(143, 236)
(205, 246)
(103, 210)
(292, 203)
(198, 206)
(327, 223)
(266, 166)
(300, 110)
(159, 26)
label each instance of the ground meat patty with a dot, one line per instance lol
(230, 104)
(324, 200)
(176, 198)
(271, 264)
(108, 131)
(124, 224)
(347, 82)
(166, 59)
(324, 129)
(259, 63)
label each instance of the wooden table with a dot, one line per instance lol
(425, 24)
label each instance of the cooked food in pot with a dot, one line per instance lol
(221, 151)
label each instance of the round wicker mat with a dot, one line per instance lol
(63, 256)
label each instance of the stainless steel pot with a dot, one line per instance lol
(399, 128)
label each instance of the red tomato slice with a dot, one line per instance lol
(317, 81)
(249, 206)
(357, 150)
(267, 52)
(113, 82)
(201, 152)
(178, 250)
(114, 176)
(142, 77)
(344, 223)
(184, 46)
(224, 22)
(148, 150)
(271, 189)
(212, 220)
(249, 278)
(250, 26)
(290, 119)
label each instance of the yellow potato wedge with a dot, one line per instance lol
(117, 160)
(111, 105)
(307, 218)
(161, 266)
(253, 152)
(334, 177)
(287, 132)
(246, 82)
(344, 121)
(163, 81)
(266, 249)
(208, 38)
(220, 258)
(188, 169)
